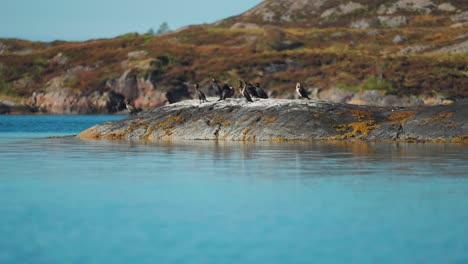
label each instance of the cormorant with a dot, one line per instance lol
(132, 109)
(260, 92)
(34, 99)
(218, 88)
(301, 91)
(169, 98)
(201, 95)
(243, 91)
(227, 92)
(252, 91)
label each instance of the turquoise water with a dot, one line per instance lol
(64, 200)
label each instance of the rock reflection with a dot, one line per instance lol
(219, 150)
(262, 159)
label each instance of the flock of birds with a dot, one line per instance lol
(247, 90)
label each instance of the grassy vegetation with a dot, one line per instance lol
(348, 58)
(6, 89)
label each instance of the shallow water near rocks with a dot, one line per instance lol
(65, 200)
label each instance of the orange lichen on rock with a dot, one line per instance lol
(245, 133)
(278, 139)
(217, 120)
(137, 125)
(437, 118)
(115, 136)
(361, 115)
(270, 119)
(89, 133)
(171, 119)
(356, 129)
(167, 125)
(168, 129)
(400, 117)
(462, 139)
(226, 123)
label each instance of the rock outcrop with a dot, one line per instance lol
(283, 120)
(8, 107)
(59, 96)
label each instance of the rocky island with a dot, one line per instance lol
(284, 120)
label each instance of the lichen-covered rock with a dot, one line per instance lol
(392, 21)
(282, 120)
(398, 39)
(463, 16)
(447, 7)
(137, 54)
(60, 59)
(361, 23)
(456, 48)
(342, 9)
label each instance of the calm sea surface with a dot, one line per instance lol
(65, 200)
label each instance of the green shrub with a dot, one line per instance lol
(73, 81)
(148, 38)
(345, 86)
(129, 36)
(374, 83)
(7, 89)
(39, 66)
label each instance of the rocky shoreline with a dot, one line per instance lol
(111, 102)
(286, 120)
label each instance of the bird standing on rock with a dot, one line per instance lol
(260, 92)
(251, 90)
(242, 88)
(169, 98)
(201, 95)
(228, 92)
(132, 109)
(301, 91)
(215, 85)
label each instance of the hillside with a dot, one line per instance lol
(356, 14)
(378, 64)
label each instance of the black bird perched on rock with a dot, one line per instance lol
(301, 91)
(260, 92)
(132, 109)
(170, 99)
(218, 88)
(228, 92)
(243, 91)
(201, 95)
(251, 89)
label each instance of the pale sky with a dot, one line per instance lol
(47, 20)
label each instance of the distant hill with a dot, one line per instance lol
(356, 14)
(364, 52)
